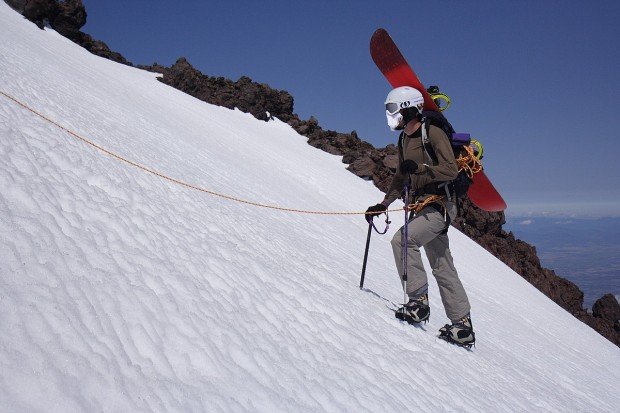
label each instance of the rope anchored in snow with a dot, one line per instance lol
(175, 180)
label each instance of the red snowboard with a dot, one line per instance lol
(397, 71)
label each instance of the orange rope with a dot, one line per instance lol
(469, 163)
(418, 206)
(174, 180)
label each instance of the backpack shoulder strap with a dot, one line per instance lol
(400, 147)
(426, 140)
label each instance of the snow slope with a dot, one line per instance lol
(120, 291)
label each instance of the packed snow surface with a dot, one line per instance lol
(121, 291)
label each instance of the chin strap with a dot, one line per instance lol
(410, 114)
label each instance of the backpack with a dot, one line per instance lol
(460, 185)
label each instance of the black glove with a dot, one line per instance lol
(375, 210)
(408, 167)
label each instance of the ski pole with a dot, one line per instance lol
(366, 254)
(405, 242)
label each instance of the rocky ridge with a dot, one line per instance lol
(370, 163)
(67, 18)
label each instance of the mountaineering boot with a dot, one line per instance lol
(415, 311)
(460, 333)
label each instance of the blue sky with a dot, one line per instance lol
(535, 81)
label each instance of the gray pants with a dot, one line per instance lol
(425, 230)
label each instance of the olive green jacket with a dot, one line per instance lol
(429, 171)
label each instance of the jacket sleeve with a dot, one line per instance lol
(446, 168)
(396, 187)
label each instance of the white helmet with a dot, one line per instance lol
(404, 97)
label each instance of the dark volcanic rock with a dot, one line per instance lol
(606, 328)
(606, 315)
(67, 18)
(37, 11)
(70, 18)
(250, 97)
(363, 167)
(99, 48)
(17, 5)
(607, 308)
(390, 162)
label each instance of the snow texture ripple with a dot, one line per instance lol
(120, 291)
